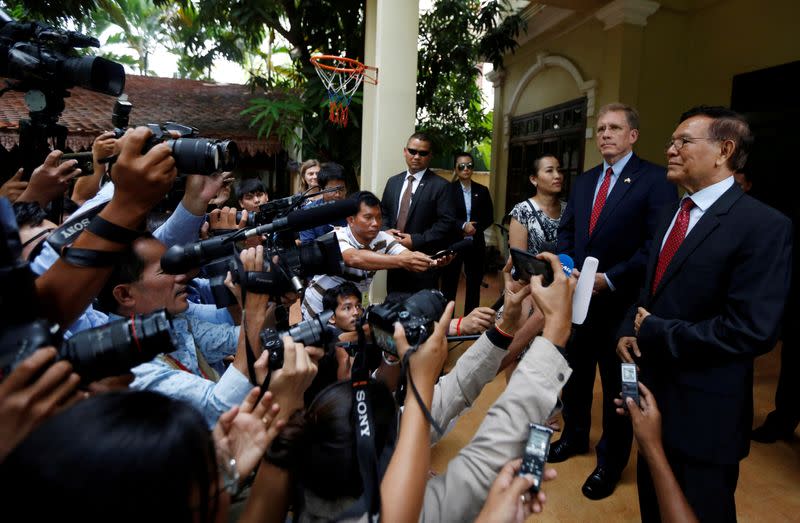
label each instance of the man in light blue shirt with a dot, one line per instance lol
(139, 286)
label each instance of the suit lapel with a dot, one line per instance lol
(418, 194)
(626, 179)
(458, 195)
(705, 226)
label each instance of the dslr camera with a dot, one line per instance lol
(97, 353)
(193, 154)
(312, 332)
(416, 315)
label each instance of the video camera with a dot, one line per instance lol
(416, 315)
(37, 54)
(97, 353)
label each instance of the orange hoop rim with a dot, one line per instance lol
(358, 67)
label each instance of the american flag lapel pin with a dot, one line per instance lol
(627, 180)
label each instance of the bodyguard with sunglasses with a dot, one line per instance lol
(418, 211)
(474, 213)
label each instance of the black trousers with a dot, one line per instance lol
(709, 488)
(473, 262)
(593, 344)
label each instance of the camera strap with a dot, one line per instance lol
(112, 232)
(68, 232)
(425, 411)
(91, 258)
(362, 420)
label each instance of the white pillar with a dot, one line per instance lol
(390, 107)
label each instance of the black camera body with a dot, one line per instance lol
(192, 153)
(416, 315)
(42, 57)
(311, 332)
(267, 212)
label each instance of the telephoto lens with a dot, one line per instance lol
(115, 348)
(308, 333)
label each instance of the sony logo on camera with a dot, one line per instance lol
(361, 408)
(67, 233)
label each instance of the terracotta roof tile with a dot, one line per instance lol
(212, 108)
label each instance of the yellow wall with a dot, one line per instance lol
(687, 54)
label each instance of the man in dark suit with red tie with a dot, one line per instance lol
(611, 215)
(713, 298)
(474, 213)
(417, 210)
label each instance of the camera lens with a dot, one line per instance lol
(119, 346)
(426, 303)
(195, 155)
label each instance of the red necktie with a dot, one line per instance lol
(600, 201)
(674, 240)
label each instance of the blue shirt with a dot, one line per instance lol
(467, 193)
(182, 227)
(215, 342)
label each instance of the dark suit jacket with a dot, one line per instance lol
(482, 212)
(623, 233)
(718, 305)
(431, 218)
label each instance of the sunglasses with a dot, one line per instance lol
(417, 152)
(463, 166)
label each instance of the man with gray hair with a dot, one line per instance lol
(611, 215)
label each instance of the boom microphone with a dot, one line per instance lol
(182, 258)
(308, 218)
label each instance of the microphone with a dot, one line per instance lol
(308, 218)
(583, 290)
(182, 258)
(567, 264)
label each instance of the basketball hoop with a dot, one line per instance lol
(341, 77)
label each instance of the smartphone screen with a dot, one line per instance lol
(630, 383)
(536, 450)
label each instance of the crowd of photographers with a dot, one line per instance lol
(132, 389)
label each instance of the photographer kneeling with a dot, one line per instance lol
(319, 451)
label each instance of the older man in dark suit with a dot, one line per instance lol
(474, 214)
(611, 215)
(418, 211)
(717, 280)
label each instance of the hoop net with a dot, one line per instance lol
(341, 77)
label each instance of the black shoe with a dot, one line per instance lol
(770, 433)
(563, 449)
(600, 484)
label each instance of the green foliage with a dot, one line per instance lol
(455, 36)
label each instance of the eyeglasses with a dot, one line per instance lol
(463, 166)
(417, 152)
(680, 142)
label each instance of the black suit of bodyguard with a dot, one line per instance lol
(481, 216)
(429, 221)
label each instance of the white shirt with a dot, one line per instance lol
(384, 243)
(703, 199)
(417, 178)
(467, 190)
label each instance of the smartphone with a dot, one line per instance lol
(630, 383)
(526, 266)
(536, 450)
(442, 254)
(84, 162)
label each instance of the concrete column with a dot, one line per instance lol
(390, 108)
